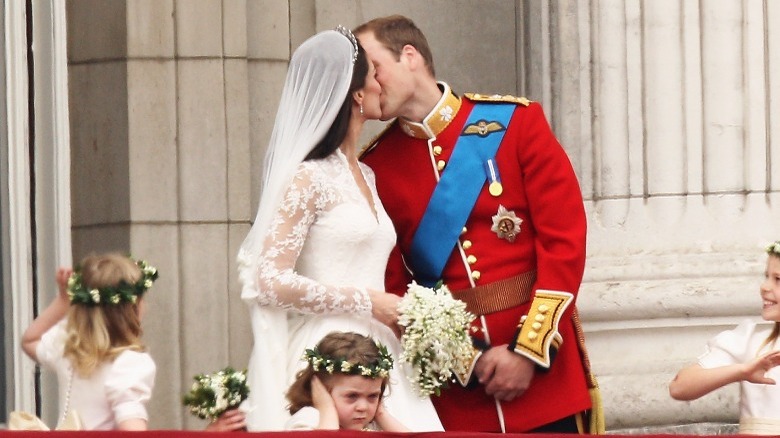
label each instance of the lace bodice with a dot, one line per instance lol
(325, 247)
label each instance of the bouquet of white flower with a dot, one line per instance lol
(213, 394)
(435, 340)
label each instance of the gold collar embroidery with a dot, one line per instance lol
(437, 120)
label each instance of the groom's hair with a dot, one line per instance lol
(396, 31)
(338, 130)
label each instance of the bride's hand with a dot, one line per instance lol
(384, 308)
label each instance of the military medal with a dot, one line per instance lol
(494, 187)
(506, 224)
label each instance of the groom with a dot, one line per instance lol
(483, 197)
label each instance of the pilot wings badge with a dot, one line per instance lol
(483, 128)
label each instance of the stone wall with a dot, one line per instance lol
(665, 108)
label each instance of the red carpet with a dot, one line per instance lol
(312, 434)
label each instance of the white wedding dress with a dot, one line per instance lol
(325, 247)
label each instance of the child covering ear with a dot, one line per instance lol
(342, 386)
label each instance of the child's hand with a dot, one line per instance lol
(63, 274)
(320, 396)
(323, 402)
(229, 421)
(49, 317)
(757, 369)
(387, 422)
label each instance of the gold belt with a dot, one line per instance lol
(499, 295)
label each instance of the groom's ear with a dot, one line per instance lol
(410, 56)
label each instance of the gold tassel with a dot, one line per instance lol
(597, 425)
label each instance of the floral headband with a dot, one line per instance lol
(121, 293)
(774, 248)
(381, 368)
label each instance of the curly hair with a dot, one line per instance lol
(356, 348)
(98, 334)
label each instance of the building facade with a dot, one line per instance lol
(140, 126)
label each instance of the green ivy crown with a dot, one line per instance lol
(773, 248)
(110, 295)
(379, 369)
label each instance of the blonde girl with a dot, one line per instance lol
(342, 386)
(747, 354)
(105, 374)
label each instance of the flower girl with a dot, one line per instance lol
(748, 354)
(104, 374)
(342, 386)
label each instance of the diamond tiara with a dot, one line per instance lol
(348, 33)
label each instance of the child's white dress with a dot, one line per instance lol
(759, 412)
(115, 392)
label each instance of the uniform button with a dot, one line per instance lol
(532, 335)
(475, 275)
(463, 231)
(437, 150)
(440, 164)
(539, 318)
(543, 308)
(466, 244)
(536, 326)
(471, 259)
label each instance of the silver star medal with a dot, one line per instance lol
(506, 224)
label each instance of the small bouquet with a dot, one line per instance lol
(213, 394)
(435, 341)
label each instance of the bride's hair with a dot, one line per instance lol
(357, 349)
(338, 130)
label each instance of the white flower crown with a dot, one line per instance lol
(123, 292)
(380, 368)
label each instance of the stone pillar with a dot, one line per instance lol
(665, 109)
(160, 115)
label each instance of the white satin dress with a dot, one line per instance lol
(325, 247)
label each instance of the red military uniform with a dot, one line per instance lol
(539, 188)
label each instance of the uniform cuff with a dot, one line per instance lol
(537, 336)
(464, 379)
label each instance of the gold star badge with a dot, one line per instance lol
(506, 224)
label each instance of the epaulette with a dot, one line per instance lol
(368, 147)
(497, 98)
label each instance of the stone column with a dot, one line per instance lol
(160, 115)
(666, 110)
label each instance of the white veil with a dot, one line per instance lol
(317, 83)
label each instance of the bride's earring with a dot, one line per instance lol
(358, 97)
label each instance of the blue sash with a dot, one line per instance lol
(457, 191)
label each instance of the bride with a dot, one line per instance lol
(315, 257)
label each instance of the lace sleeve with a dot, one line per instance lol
(278, 283)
